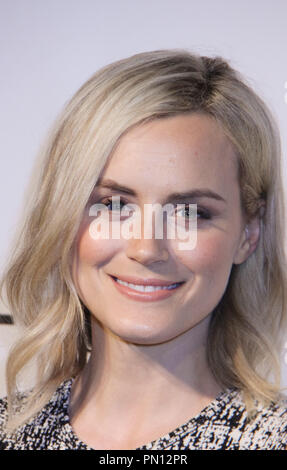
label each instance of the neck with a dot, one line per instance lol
(125, 376)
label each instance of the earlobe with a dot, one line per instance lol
(249, 240)
(243, 250)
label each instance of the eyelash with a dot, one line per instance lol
(204, 214)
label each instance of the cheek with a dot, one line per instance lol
(211, 257)
(92, 252)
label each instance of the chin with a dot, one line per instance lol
(144, 334)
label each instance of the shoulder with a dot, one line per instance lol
(44, 429)
(225, 424)
(3, 414)
(265, 429)
(3, 421)
(268, 429)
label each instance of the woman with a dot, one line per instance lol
(146, 342)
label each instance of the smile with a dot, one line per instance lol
(145, 292)
(141, 288)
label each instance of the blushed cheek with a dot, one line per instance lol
(211, 257)
(97, 252)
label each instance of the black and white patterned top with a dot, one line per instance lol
(222, 425)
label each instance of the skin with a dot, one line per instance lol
(147, 372)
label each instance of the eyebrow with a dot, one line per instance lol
(173, 197)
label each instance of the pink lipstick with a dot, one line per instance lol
(145, 290)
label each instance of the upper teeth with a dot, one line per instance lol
(145, 288)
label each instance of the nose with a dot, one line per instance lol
(147, 250)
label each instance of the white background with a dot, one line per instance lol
(48, 48)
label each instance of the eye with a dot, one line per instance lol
(189, 213)
(203, 214)
(116, 204)
(118, 207)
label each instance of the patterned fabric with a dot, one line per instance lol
(222, 425)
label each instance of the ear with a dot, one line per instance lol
(248, 241)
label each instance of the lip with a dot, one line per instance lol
(145, 282)
(145, 296)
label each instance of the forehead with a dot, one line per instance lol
(175, 153)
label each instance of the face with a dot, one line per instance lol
(151, 162)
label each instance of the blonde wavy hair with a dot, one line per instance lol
(246, 329)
